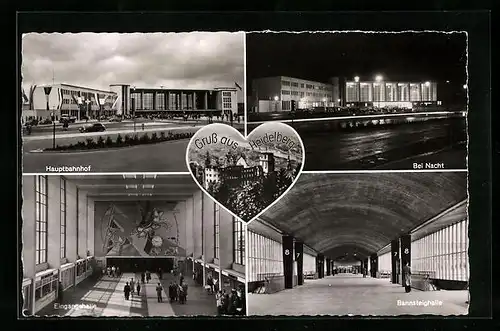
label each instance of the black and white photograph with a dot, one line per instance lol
(360, 100)
(363, 244)
(111, 102)
(128, 246)
(246, 175)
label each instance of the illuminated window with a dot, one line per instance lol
(216, 229)
(63, 217)
(238, 242)
(41, 219)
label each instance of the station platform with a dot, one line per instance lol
(353, 295)
(105, 298)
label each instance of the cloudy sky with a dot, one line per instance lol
(172, 60)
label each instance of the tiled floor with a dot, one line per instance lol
(354, 295)
(198, 302)
(105, 298)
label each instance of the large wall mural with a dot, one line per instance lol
(142, 228)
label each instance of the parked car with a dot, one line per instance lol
(66, 118)
(46, 121)
(32, 122)
(95, 127)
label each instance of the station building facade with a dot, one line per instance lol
(274, 94)
(159, 100)
(44, 101)
(65, 241)
(389, 94)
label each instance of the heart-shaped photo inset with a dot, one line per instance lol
(246, 175)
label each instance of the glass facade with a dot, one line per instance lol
(352, 92)
(309, 264)
(265, 257)
(384, 263)
(239, 242)
(414, 92)
(366, 92)
(390, 92)
(216, 229)
(63, 217)
(443, 253)
(41, 218)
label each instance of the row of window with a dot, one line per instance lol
(175, 101)
(392, 92)
(41, 215)
(87, 95)
(41, 218)
(443, 253)
(308, 94)
(265, 257)
(238, 237)
(302, 85)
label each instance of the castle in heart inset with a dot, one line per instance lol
(245, 181)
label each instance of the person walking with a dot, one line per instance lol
(219, 297)
(159, 289)
(126, 291)
(148, 276)
(181, 279)
(407, 275)
(132, 285)
(138, 288)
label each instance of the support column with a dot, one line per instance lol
(321, 266)
(374, 265)
(299, 258)
(288, 261)
(142, 100)
(394, 261)
(166, 100)
(365, 266)
(328, 267)
(206, 101)
(154, 100)
(194, 101)
(182, 101)
(405, 254)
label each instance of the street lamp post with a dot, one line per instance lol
(276, 98)
(133, 105)
(379, 79)
(53, 118)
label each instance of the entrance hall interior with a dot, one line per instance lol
(77, 228)
(337, 244)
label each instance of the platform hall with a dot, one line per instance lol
(86, 237)
(380, 244)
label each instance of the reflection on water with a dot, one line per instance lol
(331, 149)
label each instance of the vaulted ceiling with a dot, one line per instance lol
(359, 213)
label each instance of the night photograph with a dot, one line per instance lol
(394, 101)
